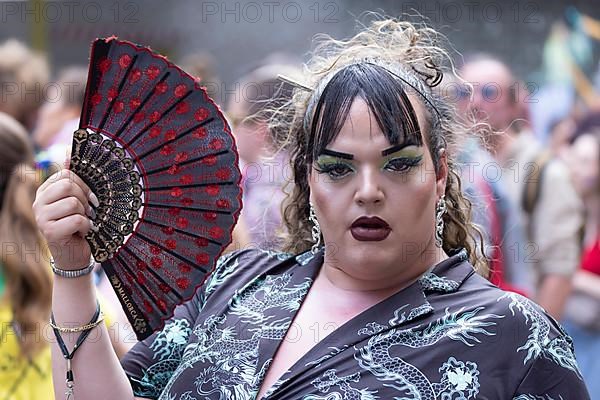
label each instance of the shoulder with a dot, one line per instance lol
(248, 261)
(556, 179)
(515, 309)
(540, 162)
(514, 318)
(556, 169)
(236, 269)
(152, 362)
(541, 348)
(524, 329)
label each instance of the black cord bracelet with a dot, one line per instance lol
(69, 355)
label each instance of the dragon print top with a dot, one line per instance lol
(451, 335)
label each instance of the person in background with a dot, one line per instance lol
(561, 136)
(263, 163)
(533, 179)
(203, 67)
(24, 75)
(493, 210)
(25, 278)
(59, 117)
(582, 311)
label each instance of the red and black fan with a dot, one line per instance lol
(160, 157)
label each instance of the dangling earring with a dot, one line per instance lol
(316, 229)
(440, 209)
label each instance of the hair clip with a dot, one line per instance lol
(293, 82)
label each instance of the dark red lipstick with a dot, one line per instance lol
(370, 229)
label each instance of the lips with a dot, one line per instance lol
(370, 229)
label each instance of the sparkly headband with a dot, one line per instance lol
(394, 69)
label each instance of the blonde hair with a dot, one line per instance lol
(411, 55)
(24, 254)
(29, 72)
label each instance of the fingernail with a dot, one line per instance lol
(93, 226)
(91, 213)
(93, 199)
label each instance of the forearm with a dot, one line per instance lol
(553, 293)
(96, 369)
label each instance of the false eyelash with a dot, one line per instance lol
(329, 168)
(408, 163)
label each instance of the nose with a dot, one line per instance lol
(370, 190)
(478, 105)
(476, 98)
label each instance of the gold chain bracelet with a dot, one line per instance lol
(76, 329)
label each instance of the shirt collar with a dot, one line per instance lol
(445, 277)
(448, 275)
(409, 304)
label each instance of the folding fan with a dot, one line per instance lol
(160, 157)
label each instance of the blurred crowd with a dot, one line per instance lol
(530, 169)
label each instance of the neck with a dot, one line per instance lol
(346, 277)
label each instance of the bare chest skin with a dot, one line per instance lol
(320, 314)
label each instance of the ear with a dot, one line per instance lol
(442, 173)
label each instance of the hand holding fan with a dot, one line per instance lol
(160, 157)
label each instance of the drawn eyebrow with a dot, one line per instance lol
(338, 154)
(395, 148)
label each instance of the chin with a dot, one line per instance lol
(369, 251)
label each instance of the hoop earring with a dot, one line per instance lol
(440, 210)
(316, 229)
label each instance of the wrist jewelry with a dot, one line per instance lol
(76, 273)
(69, 393)
(76, 329)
